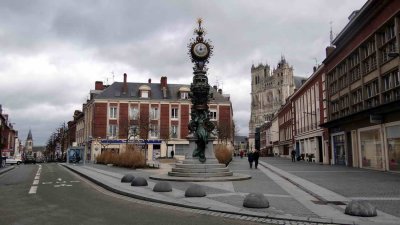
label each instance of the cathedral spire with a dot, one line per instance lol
(29, 135)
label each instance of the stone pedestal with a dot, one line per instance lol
(191, 169)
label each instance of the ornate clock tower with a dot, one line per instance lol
(200, 126)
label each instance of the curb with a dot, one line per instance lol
(7, 169)
(278, 217)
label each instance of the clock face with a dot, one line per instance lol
(200, 50)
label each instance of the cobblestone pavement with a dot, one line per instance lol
(379, 188)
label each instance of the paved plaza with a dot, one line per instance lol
(297, 192)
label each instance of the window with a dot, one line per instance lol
(112, 130)
(174, 131)
(133, 131)
(184, 95)
(213, 114)
(372, 89)
(174, 113)
(113, 112)
(154, 113)
(133, 113)
(153, 130)
(144, 94)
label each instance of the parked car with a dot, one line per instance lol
(29, 159)
(12, 160)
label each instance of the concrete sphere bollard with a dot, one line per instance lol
(128, 178)
(195, 191)
(139, 181)
(162, 186)
(255, 200)
(360, 208)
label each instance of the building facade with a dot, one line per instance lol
(286, 124)
(152, 115)
(8, 136)
(363, 84)
(269, 91)
(310, 111)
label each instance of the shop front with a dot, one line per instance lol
(338, 141)
(371, 149)
(393, 146)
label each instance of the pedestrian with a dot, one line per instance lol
(256, 155)
(250, 157)
(241, 153)
(293, 153)
(172, 153)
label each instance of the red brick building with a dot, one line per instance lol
(8, 136)
(285, 123)
(363, 85)
(151, 114)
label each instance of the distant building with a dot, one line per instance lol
(153, 115)
(240, 144)
(8, 135)
(269, 91)
(29, 143)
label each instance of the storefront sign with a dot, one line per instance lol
(375, 119)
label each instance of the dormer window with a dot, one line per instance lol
(144, 91)
(184, 95)
(184, 92)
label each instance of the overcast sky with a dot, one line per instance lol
(52, 52)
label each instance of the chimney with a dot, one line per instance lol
(163, 82)
(215, 87)
(99, 85)
(220, 91)
(329, 50)
(125, 85)
(1, 110)
(149, 80)
(314, 69)
(164, 86)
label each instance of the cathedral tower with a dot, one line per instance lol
(269, 91)
(29, 143)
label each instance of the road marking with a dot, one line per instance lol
(47, 182)
(74, 181)
(62, 185)
(34, 186)
(33, 190)
(59, 179)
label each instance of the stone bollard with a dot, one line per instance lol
(255, 200)
(360, 208)
(195, 191)
(128, 178)
(162, 186)
(139, 181)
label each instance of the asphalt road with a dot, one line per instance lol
(64, 198)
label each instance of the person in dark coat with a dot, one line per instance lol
(256, 155)
(293, 153)
(250, 157)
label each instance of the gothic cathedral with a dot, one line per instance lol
(269, 91)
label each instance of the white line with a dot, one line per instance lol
(377, 198)
(47, 182)
(74, 181)
(35, 182)
(37, 177)
(33, 190)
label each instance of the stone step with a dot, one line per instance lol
(196, 161)
(200, 170)
(219, 174)
(180, 165)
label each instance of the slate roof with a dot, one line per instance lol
(298, 81)
(115, 91)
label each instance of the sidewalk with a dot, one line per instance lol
(290, 202)
(6, 169)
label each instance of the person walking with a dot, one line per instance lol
(256, 155)
(250, 157)
(293, 153)
(241, 153)
(172, 154)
